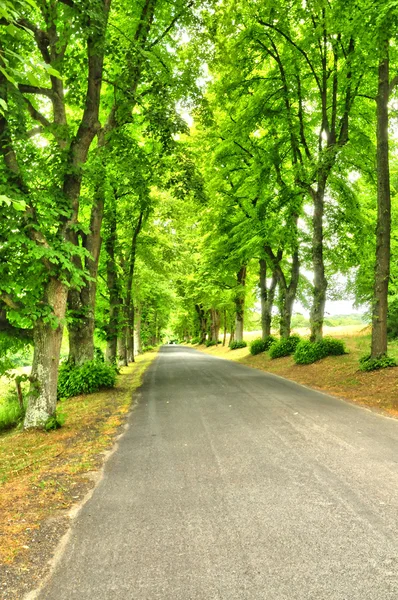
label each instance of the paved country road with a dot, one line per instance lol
(234, 484)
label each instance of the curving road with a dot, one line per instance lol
(235, 484)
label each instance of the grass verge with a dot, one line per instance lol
(338, 375)
(42, 475)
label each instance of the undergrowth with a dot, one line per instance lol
(261, 344)
(236, 345)
(366, 363)
(11, 412)
(85, 379)
(284, 346)
(308, 352)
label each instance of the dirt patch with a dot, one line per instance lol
(43, 475)
(338, 375)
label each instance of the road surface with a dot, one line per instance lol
(235, 484)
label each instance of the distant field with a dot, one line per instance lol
(339, 331)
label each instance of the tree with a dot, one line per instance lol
(45, 231)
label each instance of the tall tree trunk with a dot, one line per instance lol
(224, 339)
(215, 325)
(113, 284)
(138, 329)
(320, 283)
(130, 336)
(203, 323)
(288, 293)
(122, 347)
(81, 303)
(267, 297)
(383, 229)
(240, 303)
(129, 287)
(42, 397)
(232, 330)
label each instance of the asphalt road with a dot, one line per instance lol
(237, 485)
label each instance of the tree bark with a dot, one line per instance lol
(129, 287)
(267, 298)
(383, 228)
(224, 339)
(232, 334)
(203, 323)
(138, 329)
(240, 304)
(289, 295)
(320, 283)
(215, 325)
(81, 303)
(113, 284)
(287, 292)
(42, 397)
(122, 347)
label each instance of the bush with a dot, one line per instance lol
(54, 422)
(235, 345)
(366, 363)
(11, 413)
(86, 379)
(333, 347)
(147, 348)
(195, 340)
(309, 352)
(261, 345)
(284, 347)
(210, 343)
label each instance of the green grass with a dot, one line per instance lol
(11, 413)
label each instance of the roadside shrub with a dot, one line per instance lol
(366, 363)
(261, 345)
(309, 352)
(284, 347)
(210, 343)
(195, 340)
(235, 345)
(333, 347)
(85, 379)
(147, 348)
(54, 422)
(11, 413)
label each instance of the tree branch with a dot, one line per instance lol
(302, 52)
(6, 298)
(393, 83)
(35, 114)
(32, 89)
(170, 27)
